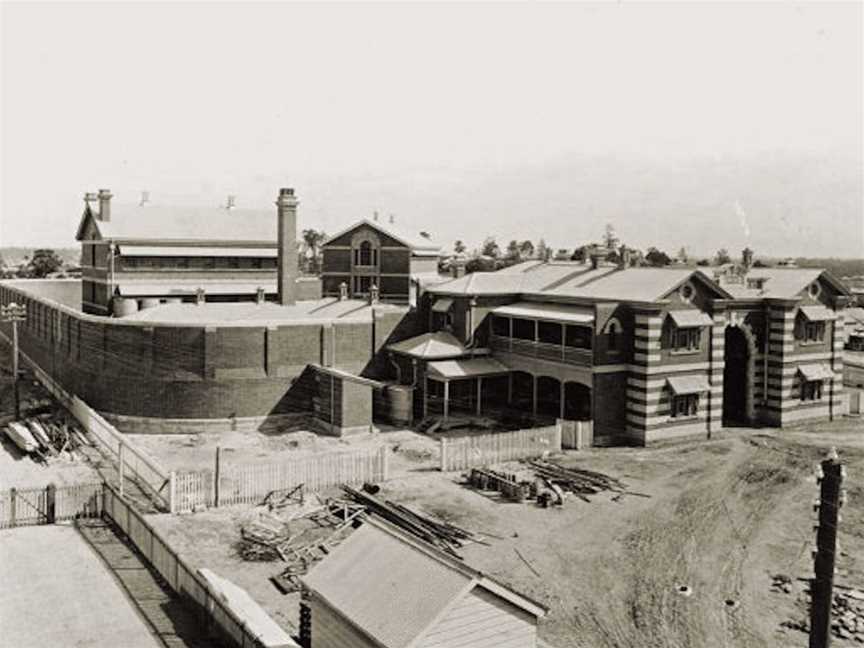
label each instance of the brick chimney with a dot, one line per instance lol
(89, 199)
(624, 257)
(105, 205)
(286, 209)
(457, 266)
(747, 258)
(598, 256)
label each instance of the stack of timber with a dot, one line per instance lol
(443, 535)
(579, 481)
(42, 437)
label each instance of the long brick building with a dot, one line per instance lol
(645, 353)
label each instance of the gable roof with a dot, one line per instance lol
(438, 344)
(184, 224)
(783, 283)
(393, 587)
(573, 279)
(404, 235)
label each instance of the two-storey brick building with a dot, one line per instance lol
(385, 256)
(644, 353)
(139, 255)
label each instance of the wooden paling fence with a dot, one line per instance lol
(31, 506)
(487, 449)
(249, 484)
(181, 577)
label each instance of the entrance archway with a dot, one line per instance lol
(737, 378)
(577, 402)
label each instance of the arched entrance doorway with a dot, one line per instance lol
(737, 381)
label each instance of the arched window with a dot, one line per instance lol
(365, 253)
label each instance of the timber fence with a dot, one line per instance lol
(249, 484)
(131, 461)
(487, 449)
(32, 506)
(216, 616)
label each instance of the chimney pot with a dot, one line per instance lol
(392, 218)
(375, 215)
(105, 205)
(145, 197)
(229, 202)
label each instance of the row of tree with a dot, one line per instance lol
(490, 256)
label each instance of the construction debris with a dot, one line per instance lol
(580, 481)
(43, 437)
(443, 535)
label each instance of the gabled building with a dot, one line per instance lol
(139, 255)
(643, 353)
(382, 588)
(384, 256)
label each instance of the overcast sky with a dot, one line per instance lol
(464, 120)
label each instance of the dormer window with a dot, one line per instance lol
(756, 283)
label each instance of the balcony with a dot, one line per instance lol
(542, 350)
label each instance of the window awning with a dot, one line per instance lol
(817, 313)
(816, 371)
(172, 251)
(442, 305)
(688, 384)
(468, 368)
(690, 318)
(551, 312)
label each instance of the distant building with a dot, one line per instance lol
(382, 588)
(371, 254)
(144, 254)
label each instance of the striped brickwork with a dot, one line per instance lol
(649, 400)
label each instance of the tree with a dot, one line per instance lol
(43, 263)
(490, 248)
(580, 254)
(657, 258)
(513, 254)
(610, 238)
(459, 247)
(526, 249)
(703, 262)
(312, 240)
(758, 263)
(682, 255)
(722, 257)
(542, 250)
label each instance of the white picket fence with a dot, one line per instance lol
(249, 484)
(487, 449)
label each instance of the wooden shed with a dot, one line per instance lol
(382, 588)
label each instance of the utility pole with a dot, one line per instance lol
(829, 475)
(14, 313)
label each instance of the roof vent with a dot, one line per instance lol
(392, 219)
(229, 202)
(145, 197)
(375, 215)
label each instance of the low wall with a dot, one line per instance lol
(141, 370)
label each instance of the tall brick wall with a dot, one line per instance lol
(191, 372)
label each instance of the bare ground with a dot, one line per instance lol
(723, 517)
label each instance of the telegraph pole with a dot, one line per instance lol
(14, 313)
(829, 475)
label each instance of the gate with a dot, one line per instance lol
(32, 506)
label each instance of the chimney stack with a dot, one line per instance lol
(89, 199)
(286, 209)
(104, 205)
(597, 256)
(229, 202)
(260, 295)
(145, 197)
(625, 257)
(392, 219)
(343, 291)
(457, 267)
(375, 216)
(747, 258)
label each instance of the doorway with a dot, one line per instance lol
(736, 378)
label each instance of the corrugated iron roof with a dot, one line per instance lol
(554, 312)
(779, 282)
(438, 344)
(189, 223)
(412, 238)
(815, 371)
(690, 318)
(394, 587)
(467, 368)
(197, 251)
(688, 384)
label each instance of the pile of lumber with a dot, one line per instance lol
(260, 539)
(579, 481)
(443, 535)
(43, 437)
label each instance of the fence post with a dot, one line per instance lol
(443, 454)
(51, 503)
(216, 475)
(12, 493)
(172, 492)
(121, 455)
(385, 462)
(557, 442)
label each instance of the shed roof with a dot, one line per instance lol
(688, 384)
(467, 368)
(815, 371)
(817, 313)
(690, 318)
(555, 312)
(235, 226)
(393, 587)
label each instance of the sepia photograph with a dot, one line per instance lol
(431, 324)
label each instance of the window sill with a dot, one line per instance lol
(689, 417)
(680, 352)
(811, 342)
